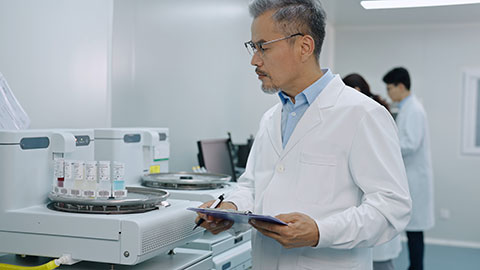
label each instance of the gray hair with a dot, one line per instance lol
(294, 16)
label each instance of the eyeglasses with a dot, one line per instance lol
(253, 47)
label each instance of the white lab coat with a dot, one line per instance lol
(414, 139)
(387, 251)
(342, 166)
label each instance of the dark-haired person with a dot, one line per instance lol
(310, 164)
(383, 254)
(415, 144)
(356, 81)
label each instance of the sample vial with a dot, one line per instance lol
(118, 179)
(58, 174)
(90, 183)
(68, 176)
(79, 178)
(104, 187)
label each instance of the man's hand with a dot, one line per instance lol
(301, 231)
(216, 225)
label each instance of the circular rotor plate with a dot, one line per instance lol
(138, 200)
(185, 181)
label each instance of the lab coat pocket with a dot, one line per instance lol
(316, 178)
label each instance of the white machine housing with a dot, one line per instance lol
(141, 149)
(183, 259)
(28, 227)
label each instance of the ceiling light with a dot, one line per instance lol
(413, 3)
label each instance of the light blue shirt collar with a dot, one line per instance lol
(401, 103)
(310, 93)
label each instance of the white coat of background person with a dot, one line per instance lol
(414, 139)
(339, 182)
(415, 145)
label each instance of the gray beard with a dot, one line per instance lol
(271, 90)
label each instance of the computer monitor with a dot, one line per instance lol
(216, 156)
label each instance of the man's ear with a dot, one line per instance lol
(402, 87)
(307, 47)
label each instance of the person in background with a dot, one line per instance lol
(414, 138)
(356, 81)
(383, 254)
(311, 162)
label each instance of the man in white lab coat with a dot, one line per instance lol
(415, 144)
(326, 160)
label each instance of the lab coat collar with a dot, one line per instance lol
(329, 96)
(274, 129)
(312, 117)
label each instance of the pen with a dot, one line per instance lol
(215, 204)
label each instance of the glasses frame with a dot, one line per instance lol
(254, 47)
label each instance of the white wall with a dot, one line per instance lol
(327, 56)
(54, 55)
(182, 64)
(435, 56)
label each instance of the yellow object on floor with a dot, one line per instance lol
(48, 266)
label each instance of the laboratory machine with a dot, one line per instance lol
(99, 231)
(146, 154)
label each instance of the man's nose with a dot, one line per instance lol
(256, 59)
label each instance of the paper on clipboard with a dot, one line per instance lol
(12, 115)
(236, 216)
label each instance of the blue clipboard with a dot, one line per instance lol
(236, 216)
